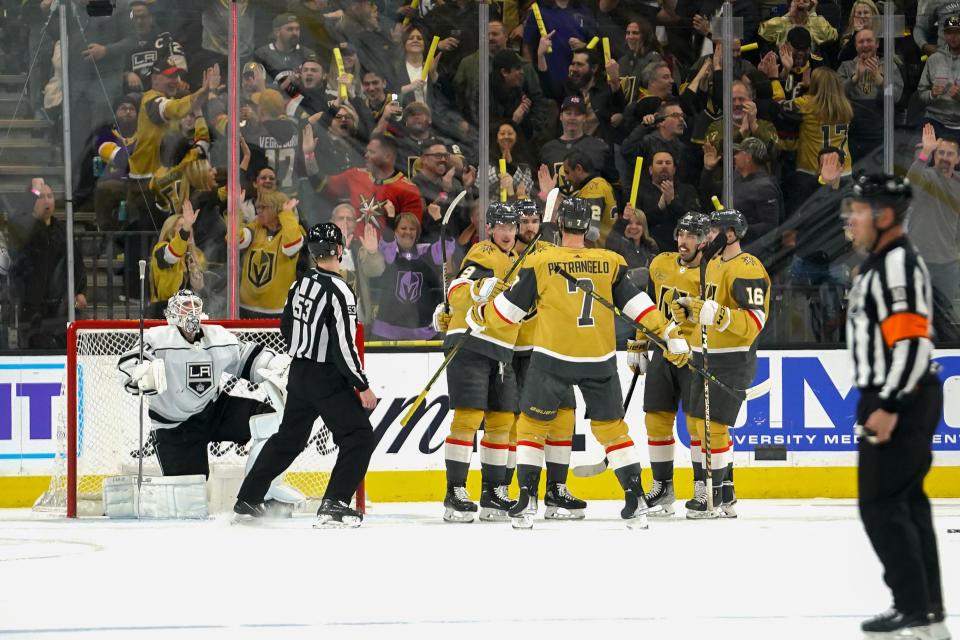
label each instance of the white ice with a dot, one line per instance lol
(787, 569)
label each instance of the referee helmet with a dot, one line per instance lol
(322, 240)
(883, 190)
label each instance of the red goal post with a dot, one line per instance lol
(99, 421)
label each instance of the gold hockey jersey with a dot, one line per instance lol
(742, 284)
(574, 335)
(672, 280)
(484, 260)
(528, 326)
(603, 205)
(158, 115)
(269, 264)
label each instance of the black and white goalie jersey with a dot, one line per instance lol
(193, 371)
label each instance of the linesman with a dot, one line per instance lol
(319, 324)
(901, 398)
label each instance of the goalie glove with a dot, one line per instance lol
(709, 313)
(637, 356)
(677, 351)
(279, 362)
(475, 319)
(486, 288)
(150, 377)
(441, 320)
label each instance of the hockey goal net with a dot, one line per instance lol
(98, 426)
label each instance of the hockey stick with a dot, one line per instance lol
(143, 310)
(547, 215)
(660, 342)
(633, 385)
(596, 468)
(443, 246)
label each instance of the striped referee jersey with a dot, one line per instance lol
(320, 323)
(889, 322)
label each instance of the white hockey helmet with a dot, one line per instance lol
(185, 310)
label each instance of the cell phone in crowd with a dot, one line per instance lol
(395, 98)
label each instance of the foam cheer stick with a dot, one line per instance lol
(429, 61)
(413, 5)
(716, 203)
(750, 46)
(339, 60)
(636, 181)
(606, 51)
(593, 42)
(540, 26)
(503, 169)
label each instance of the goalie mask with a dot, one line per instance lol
(185, 310)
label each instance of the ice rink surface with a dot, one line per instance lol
(784, 569)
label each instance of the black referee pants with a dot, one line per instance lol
(893, 506)
(316, 390)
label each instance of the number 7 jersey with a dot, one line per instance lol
(574, 334)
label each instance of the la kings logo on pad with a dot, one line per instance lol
(199, 377)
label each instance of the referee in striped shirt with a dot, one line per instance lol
(888, 335)
(319, 324)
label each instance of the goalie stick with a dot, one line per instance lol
(547, 216)
(143, 310)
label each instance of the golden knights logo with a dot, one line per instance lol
(369, 209)
(409, 286)
(260, 268)
(199, 377)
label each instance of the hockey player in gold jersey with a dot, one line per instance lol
(674, 275)
(575, 344)
(559, 502)
(480, 380)
(734, 310)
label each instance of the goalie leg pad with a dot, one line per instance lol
(159, 497)
(262, 426)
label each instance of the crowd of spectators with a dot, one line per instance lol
(366, 113)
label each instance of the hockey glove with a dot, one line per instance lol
(677, 351)
(637, 356)
(487, 288)
(441, 319)
(708, 312)
(150, 377)
(279, 362)
(475, 319)
(679, 311)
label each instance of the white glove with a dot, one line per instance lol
(274, 385)
(676, 343)
(279, 362)
(637, 356)
(475, 318)
(486, 288)
(441, 319)
(708, 313)
(150, 376)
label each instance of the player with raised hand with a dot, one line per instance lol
(674, 275)
(575, 344)
(734, 310)
(180, 372)
(480, 380)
